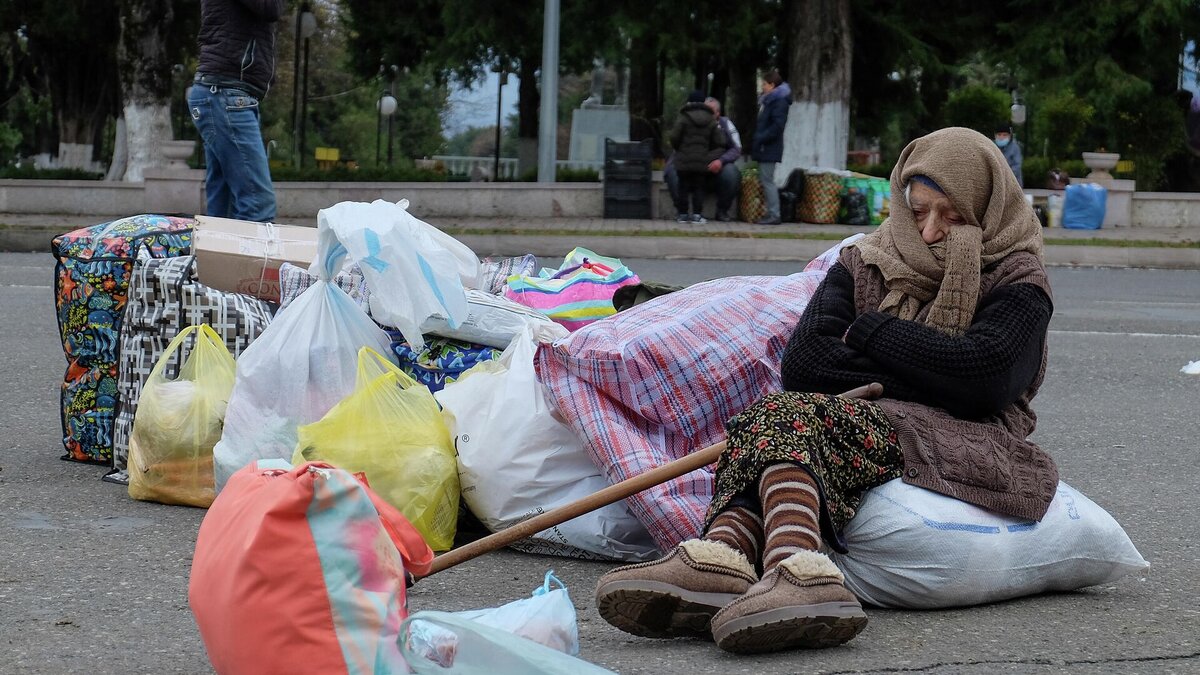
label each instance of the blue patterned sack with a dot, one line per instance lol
(91, 281)
(441, 361)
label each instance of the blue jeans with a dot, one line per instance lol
(766, 176)
(238, 180)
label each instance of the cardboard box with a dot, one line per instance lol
(244, 257)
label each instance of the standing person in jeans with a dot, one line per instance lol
(723, 169)
(237, 64)
(768, 139)
(699, 142)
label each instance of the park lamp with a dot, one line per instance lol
(1017, 111)
(387, 104)
(308, 22)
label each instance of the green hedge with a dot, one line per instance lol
(29, 172)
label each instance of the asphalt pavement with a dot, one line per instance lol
(94, 582)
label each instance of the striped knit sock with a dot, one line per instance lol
(790, 504)
(740, 528)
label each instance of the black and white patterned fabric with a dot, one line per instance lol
(295, 280)
(164, 298)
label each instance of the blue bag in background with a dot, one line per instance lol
(1083, 207)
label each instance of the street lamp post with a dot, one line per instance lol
(386, 107)
(503, 71)
(306, 26)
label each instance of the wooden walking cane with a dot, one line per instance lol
(608, 495)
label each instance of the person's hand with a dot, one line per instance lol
(714, 166)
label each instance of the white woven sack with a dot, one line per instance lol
(913, 548)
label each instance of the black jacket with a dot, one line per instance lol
(697, 138)
(237, 42)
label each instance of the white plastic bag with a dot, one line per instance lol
(913, 548)
(538, 634)
(414, 270)
(297, 370)
(494, 321)
(516, 460)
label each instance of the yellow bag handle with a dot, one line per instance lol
(205, 330)
(372, 365)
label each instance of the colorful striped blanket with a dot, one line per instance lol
(658, 381)
(577, 293)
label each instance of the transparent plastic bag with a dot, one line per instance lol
(538, 634)
(390, 429)
(179, 421)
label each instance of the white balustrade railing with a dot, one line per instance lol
(461, 165)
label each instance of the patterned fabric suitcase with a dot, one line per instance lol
(752, 207)
(91, 280)
(165, 298)
(822, 197)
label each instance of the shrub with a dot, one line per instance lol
(1063, 119)
(977, 107)
(29, 172)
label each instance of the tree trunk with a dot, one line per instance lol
(644, 108)
(144, 64)
(528, 102)
(116, 168)
(742, 106)
(818, 126)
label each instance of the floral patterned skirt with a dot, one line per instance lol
(848, 445)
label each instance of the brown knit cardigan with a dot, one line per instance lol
(990, 463)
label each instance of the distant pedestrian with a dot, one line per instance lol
(699, 142)
(1012, 150)
(237, 64)
(768, 139)
(723, 169)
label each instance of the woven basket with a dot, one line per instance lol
(822, 198)
(752, 206)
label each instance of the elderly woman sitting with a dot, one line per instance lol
(947, 306)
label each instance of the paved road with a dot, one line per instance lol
(92, 582)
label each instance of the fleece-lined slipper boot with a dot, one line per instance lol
(801, 602)
(678, 595)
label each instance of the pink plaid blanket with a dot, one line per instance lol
(658, 381)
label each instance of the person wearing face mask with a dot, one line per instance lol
(1012, 150)
(947, 305)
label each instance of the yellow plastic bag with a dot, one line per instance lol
(179, 421)
(390, 428)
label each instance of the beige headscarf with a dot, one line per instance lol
(972, 172)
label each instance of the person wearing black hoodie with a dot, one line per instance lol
(237, 64)
(698, 140)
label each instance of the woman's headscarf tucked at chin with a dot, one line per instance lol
(974, 175)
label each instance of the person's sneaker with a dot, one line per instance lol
(723, 216)
(675, 596)
(699, 219)
(769, 221)
(683, 218)
(802, 602)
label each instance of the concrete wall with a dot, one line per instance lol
(1166, 209)
(166, 191)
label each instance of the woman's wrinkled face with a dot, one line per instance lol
(934, 213)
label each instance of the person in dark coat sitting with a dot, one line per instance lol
(698, 141)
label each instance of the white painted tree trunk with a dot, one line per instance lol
(817, 134)
(818, 125)
(116, 169)
(76, 156)
(147, 125)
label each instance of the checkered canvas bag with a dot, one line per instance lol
(165, 298)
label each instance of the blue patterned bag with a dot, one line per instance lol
(91, 282)
(441, 361)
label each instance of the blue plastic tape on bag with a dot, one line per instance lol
(1083, 206)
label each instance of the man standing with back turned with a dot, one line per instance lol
(237, 64)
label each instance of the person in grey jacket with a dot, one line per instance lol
(1012, 150)
(698, 141)
(237, 64)
(773, 108)
(723, 170)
